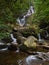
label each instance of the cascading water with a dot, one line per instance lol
(39, 38)
(30, 11)
(2, 47)
(14, 42)
(14, 39)
(21, 21)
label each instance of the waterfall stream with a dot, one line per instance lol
(14, 39)
(39, 38)
(22, 21)
(14, 42)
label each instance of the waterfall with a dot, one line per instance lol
(14, 39)
(39, 38)
(30, 11)
(22, 21)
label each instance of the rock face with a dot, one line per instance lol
(30, 42)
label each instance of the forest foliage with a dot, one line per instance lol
(10, 10)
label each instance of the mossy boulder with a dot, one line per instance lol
(31, 42)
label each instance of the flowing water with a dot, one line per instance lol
(8, 57)
(22, 20)
(13, 58)
(14, 39)
(40, 40)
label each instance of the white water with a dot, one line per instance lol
(30, 11)
(22, 20)
(4, 49)
(30, 58)
(39, 38)
(1, 43)
(14, 39)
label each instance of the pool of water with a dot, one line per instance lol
(13, 58)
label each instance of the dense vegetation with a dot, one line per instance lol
(41, 11)
(11, 9)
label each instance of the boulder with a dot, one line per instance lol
(31, 42)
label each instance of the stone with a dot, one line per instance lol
(12, 47)
(31, 42)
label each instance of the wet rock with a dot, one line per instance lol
(44, 34)
(30, 42)
(23, 48)
(12, 47)
(3, 46)
(29, 45)
(21, 39)
(18, 36)
(7, 40)
(25, 31)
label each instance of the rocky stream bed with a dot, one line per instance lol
(24, 49)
